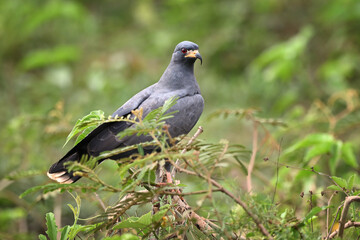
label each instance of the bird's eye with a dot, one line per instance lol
(183, 50)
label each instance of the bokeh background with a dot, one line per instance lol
(60, 59)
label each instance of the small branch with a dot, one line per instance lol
(169, 192)
(192, 139)
(159, 179)
(336, 215)
(190, 193)
(311, 207)
(346, 225)
(277, 171)
(57, 212)
(100, 201)
(184, 208)
(347, 203)
(328, 213)
(245, 207)
(253, 156)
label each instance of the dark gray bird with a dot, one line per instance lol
(178, 80)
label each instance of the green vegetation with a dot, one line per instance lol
(281, 123)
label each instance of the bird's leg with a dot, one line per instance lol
(168, 177)
(163, 175)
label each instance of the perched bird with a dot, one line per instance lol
(178, 80)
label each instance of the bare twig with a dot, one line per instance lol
(253, 156)
(57, 212)
(311, 207)
(100, 201)
(277, 171)
(347, 203)
(346, 225)
(328, 213)
(332, 225)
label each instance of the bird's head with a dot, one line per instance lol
(186, 51)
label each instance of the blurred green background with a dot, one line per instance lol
(61, 59)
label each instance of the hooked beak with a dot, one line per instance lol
(194, 54)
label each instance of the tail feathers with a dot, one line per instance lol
(59, 173)
(63, 176)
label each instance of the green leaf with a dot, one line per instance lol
(168, 104)
(313, 212)
(318, 149)
(149, 176)
(336, 156)
(140, 150)
(84, 134)
(42, 237)
(135, 222)
(51, 226)
(338, 69)
(251, 234)
(76, 212)
(11, 214)
(56, 186)
(125, 236)
(75, 229)
(86, 125)
(356, 193)
(73, 132)
(334, 187)
(348, 155)
(31, 190)
(51, 10)
(303, 176)
(152, 115)
(144, 221)
(242, 165)
(23, 174)
(310, 140)
(45, 57)
(160, 114)
(131, 222)
(160, 214)
(350, 182)
(65, 232)
(278, 62)
(340, 181)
